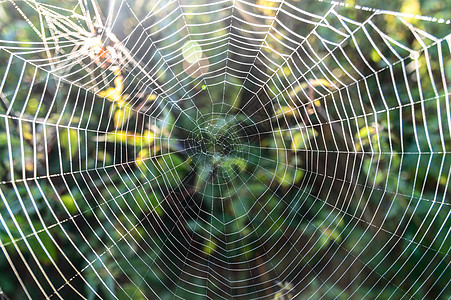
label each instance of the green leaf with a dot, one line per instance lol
(50, 247)
(233, 164)
(69, 141)
(69, 202)
(3, 139)
(209, 247)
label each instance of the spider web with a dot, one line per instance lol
(224, 149)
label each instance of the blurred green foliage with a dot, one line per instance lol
(152, 192)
